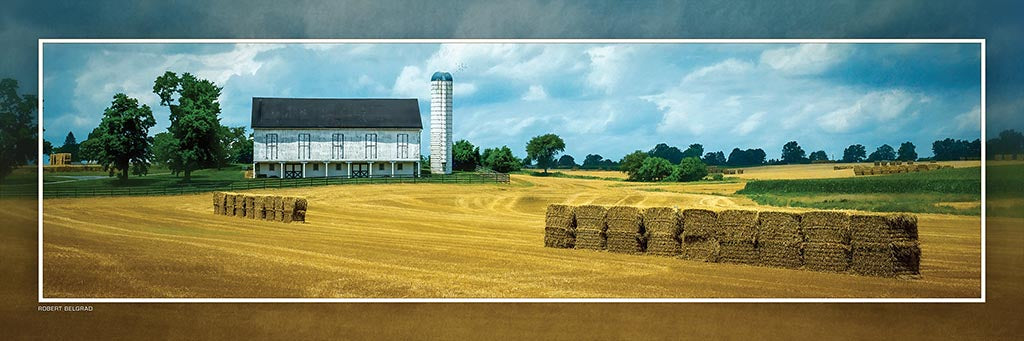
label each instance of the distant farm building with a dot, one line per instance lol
(60, 159)
(350, 137)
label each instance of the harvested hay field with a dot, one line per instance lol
(436, 240)
(824, 170)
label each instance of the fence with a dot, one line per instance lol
(262, 183)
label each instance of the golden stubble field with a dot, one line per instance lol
(435, 240)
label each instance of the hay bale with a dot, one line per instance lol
(559, 226)
(699, 238)
(250, 206)
(229, 204)
(663, 229)
(886, 259)
(240, 209)
(826, 227)
(289, 209)
(829, 257)
(591, 227)
(882, 228)
(625, 233)
(739, 252)
(218, 203)
(300, 210)
(259, 206)
(779, 240)
(736, 226)
(273, 208)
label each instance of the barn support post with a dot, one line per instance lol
(417, 170)
(281, 171)
(303, 169)
(370, 174)
(392, 169)
(349, 172)
(327, 168)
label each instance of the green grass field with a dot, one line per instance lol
(951, 191)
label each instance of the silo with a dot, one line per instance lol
(441, 123)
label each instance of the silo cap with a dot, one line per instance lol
(441, 76)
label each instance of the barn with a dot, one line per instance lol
(335, 137)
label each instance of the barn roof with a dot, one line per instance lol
(335, 113)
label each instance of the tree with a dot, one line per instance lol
(195, 120)
(165, 146)
(566, 161)
(672, 154)
(17, 127)
(527, 162)
(854, 153)
(501, 160)
(695, 150)
(465, 156)
(714, 158)
(1008, 142)
(749, 157)
(653, 169)
(70, 146)
(907, 152)
(592, 161)
(47, 147)
(819, 156)
(237, 145)
(543, 150)
(122, 141)
(792, 153)
(631, 163)
(884, 152)
(691, 169)
(950, 149)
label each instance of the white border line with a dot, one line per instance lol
(513, 300)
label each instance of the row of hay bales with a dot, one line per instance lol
(259, 206)
(893, 163)
(73, 168)
(834, 241)
(732, 171)
(864, 170)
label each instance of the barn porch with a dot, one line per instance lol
(331, 169)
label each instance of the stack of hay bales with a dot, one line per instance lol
(827, 240)
(737, 236)
(858, 170)
(700, 239)
(739, 171)
(262, 207)
(884, 245)
(625, 232)
(559, 227)
(779, 239)
(663, 230)
(590, 227)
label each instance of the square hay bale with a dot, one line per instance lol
(250, 206)
(779, 228)
(218, 203)
(273, 213)
(736, 226)
(882, 228)
(663, 229)
(781, 255)
(829, 257)
(259, 206)
(559, 226)
(826, 227)
(699, 238)
(886, 259)
(229, 204)
(288, 209)
(625, 232)
(591, 227)
(240, 209)
(301, 204)
(739, 252)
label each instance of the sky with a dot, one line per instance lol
(608, 99)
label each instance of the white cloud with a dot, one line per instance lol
(729, 66)
(463, 89)
(411, 82)
(877, 107)
(535, 93)
(607, 65)
(970, 120)
(750, 124)
(804, 59)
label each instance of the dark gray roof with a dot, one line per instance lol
(335, 113)
(441, 76)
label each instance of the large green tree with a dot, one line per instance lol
(70, 146)
(792, 153)
(195, 120)
(121, 141)
(884, 152)
(630, 163)
(691, 169)
(501, 160)
(567, 161)
(543, 150)
(237, 145)
(664, 151)
(653, 169)
(854, 153)
(695, 150)
(818, 156)
(465, 156)
(907, 152)
(17, 127)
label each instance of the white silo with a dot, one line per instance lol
(441, 123)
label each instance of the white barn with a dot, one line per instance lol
(327, 137)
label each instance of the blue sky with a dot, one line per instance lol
(608, 99)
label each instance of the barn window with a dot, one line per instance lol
(303, 146)
(316, 166)
(272, 167)
(337, 166)
(371, 146)
(399, 166)
(403, 146)
(380, 166)
(338, 146)
(271, 150)
(257, 167)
